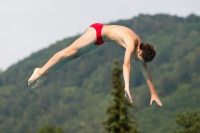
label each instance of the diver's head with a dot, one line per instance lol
(145, 52)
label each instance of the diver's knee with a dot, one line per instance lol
(74, 54)
(65, 54)
(59, 55)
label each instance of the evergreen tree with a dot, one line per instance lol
(190, 120)
(120, 120)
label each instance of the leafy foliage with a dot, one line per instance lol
(190, 120)
(48, 129)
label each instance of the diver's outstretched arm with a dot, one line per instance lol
(148, 79)
(126, 71)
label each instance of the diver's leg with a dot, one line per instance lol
(56, 59)
(76, 49)
(58, 65)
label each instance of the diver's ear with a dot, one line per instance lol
(139, 52)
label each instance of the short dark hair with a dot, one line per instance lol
(148, 52)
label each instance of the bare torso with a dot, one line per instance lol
(120, 35)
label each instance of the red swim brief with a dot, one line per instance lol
(98, 27)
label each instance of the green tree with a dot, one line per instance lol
(190, 120)
(121, 119)
(49, 129)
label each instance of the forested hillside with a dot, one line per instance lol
(75, 97)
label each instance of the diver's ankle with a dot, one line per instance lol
(38, 71)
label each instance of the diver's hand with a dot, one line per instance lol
(127, 92)
(154, 97)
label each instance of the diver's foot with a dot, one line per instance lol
(39, 82)
(34, 76)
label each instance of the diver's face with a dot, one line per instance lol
(137, 57)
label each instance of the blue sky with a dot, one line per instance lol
(27, 26)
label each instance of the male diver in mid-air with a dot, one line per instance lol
(94, 37)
